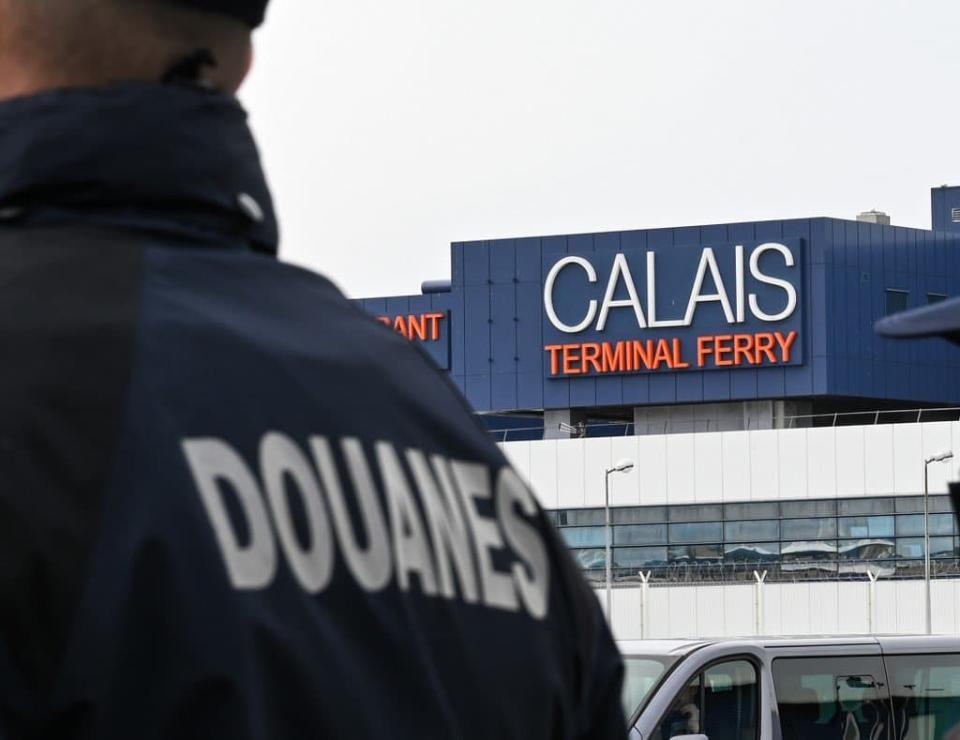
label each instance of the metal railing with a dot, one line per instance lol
(802, 421)
(693, 574)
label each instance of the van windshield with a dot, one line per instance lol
(641, 676)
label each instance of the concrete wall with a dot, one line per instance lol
(880, 460)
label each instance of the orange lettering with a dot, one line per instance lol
(786, 344)
(642, 354)
(591, 356)
(570, 358)
(554, 350)
(742, 346)
(614, 360)
(663, 355)
(400, 326)
(385, 320)
(678, 356)
(764, 345)
(417, 326)
(722, 343)
(703, 350)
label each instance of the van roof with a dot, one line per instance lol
(888, 643)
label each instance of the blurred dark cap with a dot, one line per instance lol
(939, 320)
(251, 12)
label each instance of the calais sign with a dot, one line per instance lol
(675, 308)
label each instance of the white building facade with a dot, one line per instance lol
(839, 507)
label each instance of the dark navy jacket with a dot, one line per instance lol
(232, 505)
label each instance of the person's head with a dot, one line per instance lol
(49, 44)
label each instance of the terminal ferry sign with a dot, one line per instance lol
(674, 309)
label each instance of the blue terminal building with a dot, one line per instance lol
(737, 366)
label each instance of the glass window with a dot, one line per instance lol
(580, 517)
(942, 523)
(908, 504)
(695, 553)
(583, 536)
(897, 300)
(640, 534)
(639, 557)
(940, 504)
(853, 506)
(943, 547)
(758, 510)
(700, 513)
(697, 532)
(867, 549)
(912, 547)
(795, 509)
(910, 525)
(552, 516)
(808, 550)
(935, 298)
(722, 702)
(841, 697)
(638, 514)
(752, 552)
(866, 526)
(926, 695)
(755, 530)
(808, 529)
(641, 676)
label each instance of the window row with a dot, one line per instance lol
(905, 548)
(903, 525)
(752, 510)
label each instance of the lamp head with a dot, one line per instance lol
(940, 457)
(623, 466)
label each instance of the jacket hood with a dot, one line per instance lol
(159, 157)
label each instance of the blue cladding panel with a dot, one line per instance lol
(503, 329)
(716, 385)
(477, 322)
(476, 263)
(503, 263)
(504, 394)
(847, 268)
(528, 260)
(478, 392)
(583, 392)
(609, 391)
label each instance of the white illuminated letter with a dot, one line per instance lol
(250, 566)
(777, 282)
(548, 295)
(708, 261)
(621, 270)
(740, 289)
(652, 296)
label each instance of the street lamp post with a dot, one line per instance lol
(624, 466)
(942, 457)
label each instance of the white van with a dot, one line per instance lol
(855, 688)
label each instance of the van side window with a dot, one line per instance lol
(721, 703)
(926, 695)
(835, 697)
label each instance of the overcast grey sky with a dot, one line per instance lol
(390, 129)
